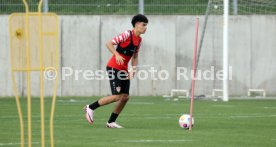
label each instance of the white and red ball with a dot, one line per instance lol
(184, 121)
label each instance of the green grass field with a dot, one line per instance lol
(149, 121)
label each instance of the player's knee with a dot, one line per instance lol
(117, 98)
(124, 97)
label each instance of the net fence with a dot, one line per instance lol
(252, 27)
(129, 7)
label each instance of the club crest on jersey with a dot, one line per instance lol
(118, 89)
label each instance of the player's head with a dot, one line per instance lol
(140, 22)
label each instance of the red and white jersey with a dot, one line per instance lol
(124, 39)
(125, 42)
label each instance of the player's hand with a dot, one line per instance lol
(131, 74)
(119, 59)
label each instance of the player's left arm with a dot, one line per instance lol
(134, 60)
(134, 63)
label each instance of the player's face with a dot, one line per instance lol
(141, 27)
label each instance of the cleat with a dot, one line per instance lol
(113, 125)
(89, 113)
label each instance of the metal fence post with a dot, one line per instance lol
(45, 6)
(235, 7)
(141, 6)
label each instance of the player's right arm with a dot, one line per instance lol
(119, 58)
(115, 41)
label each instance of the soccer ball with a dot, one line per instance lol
(184, 121)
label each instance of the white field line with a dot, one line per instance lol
(146, 141)
(81, 117)
(38, 116)
(71, 101)
(269, 107)
(251, 116)
(225, 106)
(150, 117)
(154, 116)
(15, 143)
(80, 101)
(140, 103)
(70, 116)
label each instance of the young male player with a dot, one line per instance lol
(128, 44)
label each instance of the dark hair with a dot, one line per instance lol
(139, 18)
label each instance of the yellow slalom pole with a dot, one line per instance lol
(52, 112)
(16, 93)
(41, 76)
(28, 74)
(55, 90)
(19, 110)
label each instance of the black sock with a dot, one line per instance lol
(112, 117)
(94, 106)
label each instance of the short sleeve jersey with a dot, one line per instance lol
(127, 44)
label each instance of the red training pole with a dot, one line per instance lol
(194, 74)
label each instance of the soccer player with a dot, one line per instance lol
(128, 45)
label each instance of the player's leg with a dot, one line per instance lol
(124, 96)
(114, 84)
(119, 105)
(89, 109)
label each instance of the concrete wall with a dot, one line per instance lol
(168, 44)
(5, 70)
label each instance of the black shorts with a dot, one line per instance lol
(119, 82)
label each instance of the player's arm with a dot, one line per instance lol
(119, 59)
(134, 60)
(134, 63)
(116, 41)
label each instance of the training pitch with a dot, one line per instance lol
(148, 121)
